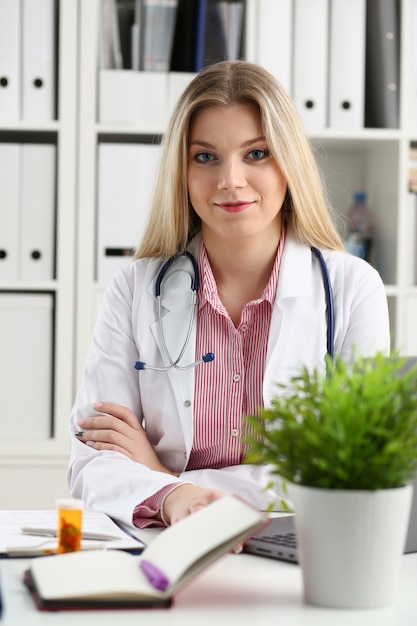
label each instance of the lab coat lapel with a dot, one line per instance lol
(176, 312)
(295, 281)
(176, 300)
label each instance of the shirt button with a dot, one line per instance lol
(244, 327)
(187, 403)
(235, 432)
(236, 378)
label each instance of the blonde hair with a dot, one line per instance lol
(173, 221)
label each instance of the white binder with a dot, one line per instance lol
(9, 60)
(9, 210)
(38, 56)
(347, 63)
(311, 22)
(37, 212)
(26, 340)
(126, 175)
(274, 35)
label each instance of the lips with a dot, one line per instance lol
(234, 207)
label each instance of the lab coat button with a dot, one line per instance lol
(187, 403)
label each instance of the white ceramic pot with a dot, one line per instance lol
(351, 544)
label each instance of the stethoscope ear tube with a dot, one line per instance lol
(329, 301)
(209, 356)
(194, 277)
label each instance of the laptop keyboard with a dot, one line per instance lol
(278, 545)
(288, 540)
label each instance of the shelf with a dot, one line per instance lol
(29, 127)
(358, 140)
(24, 286)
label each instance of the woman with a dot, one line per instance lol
(239, 189)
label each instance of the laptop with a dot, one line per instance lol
(278, 539)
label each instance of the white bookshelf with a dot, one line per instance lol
(33, 472)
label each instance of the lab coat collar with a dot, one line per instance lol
(295, 278)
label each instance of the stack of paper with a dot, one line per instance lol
(33, 533)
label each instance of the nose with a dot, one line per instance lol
(231, 174)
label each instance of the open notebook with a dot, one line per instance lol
(112, 578)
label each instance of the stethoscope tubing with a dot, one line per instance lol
(209, 356)
(329, 301)
(195, 277)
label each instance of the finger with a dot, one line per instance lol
(204, 499)
(196, 506)
(238, 549)
(117, 410)
(101, 445)
(104, 422)
(110, 437)
(211, 495)
(107, 440)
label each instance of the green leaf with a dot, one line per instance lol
(355, 428)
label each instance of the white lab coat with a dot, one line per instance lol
(127, 331)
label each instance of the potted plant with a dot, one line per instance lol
(345, 445)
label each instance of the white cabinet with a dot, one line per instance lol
(37, 292)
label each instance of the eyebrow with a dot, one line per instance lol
(207, 144)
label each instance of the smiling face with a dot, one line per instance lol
(234, 185)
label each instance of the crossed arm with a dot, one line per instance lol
(118, 429)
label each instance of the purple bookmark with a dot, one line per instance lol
(154, 575)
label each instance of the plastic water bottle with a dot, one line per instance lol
(361, 226)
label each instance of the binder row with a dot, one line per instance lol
(27, 215)
(164, 35)
(338, 59)
(27, 60)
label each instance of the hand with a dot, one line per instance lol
(119, 429)
(185, 500)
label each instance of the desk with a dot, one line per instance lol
(237, 590)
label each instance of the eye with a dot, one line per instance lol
(204, 157)
(257, 154)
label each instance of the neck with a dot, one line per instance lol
(241, 271)
(232, 258)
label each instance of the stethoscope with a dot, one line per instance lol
(209, 356)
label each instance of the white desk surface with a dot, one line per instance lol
(238, 589)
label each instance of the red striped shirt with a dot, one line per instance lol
(229, 387)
